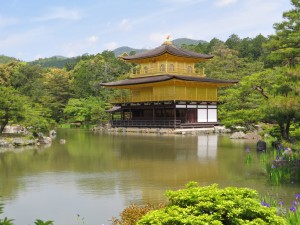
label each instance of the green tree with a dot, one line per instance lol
(89, 110)
(56, 91)
(234, 42)
(25, 77)
(227, 65)
(11, 106)
(284, 45)
(17, 108)
(89, 73)
(272, 96)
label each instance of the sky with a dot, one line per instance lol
(32, 29)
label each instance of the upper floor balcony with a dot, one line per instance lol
(163, 68)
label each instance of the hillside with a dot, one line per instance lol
(55, 61)
(7, 59)
(121, 50)
(180, 41)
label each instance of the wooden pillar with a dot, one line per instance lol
(186, 114)
(153, 112)
(175, 115)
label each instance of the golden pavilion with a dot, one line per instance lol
(166, 90)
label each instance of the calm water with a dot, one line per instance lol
(93, 177)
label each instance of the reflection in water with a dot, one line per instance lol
(97, 175)
(207, 146)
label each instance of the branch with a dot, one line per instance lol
(261, 91)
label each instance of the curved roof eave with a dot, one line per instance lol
(167, 48)
(155, 79)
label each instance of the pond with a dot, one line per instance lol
(94, 176)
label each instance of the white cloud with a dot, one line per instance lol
(57, 13)
(125, 25)
(221, 3)
(110, 45)
(87, 45)
(19, 39)
(92, 39)
(38, 56)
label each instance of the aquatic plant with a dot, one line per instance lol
(249, 158)
(293, 217)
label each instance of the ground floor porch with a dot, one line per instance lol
(165, 115)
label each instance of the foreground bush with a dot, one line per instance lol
(214, 206)
(133, 213)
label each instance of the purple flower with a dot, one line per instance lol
(295, 203)
(273, 166)
(297, 196)
(277, 157)
(280, 202)
(263, 203)
(247, 150)
(293, 208)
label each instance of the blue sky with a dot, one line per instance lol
(31, 29)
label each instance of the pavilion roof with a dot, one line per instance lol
(166, 77)
(167, 48)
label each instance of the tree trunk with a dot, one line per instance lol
(285, 129)
(4, 122)
(282, 129)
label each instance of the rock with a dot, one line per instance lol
(45, 140)
(52, 133)
(261, 146)
(253, 135)
(62, 141)
(31, 142)
(15, 130)
(221, 129)
(288, 152)
(3, 143)
(18, 141)
(240, 128)
(238, 135)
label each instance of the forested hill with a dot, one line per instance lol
(55, 61)
(61, 61)
(128, 50)
(186, 41)
(7, 59)
(177, 42)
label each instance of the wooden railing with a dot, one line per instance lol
(137, 72)
(146, 123)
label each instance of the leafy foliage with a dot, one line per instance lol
(41, 222)
(283, 46)
(212, 205)
(87, 110)
(7, 59)
(133, 213)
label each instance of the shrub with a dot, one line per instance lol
(134, 213)
(214, 206)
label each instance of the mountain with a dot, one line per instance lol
(186, 41)
(121, 50)
(54, 61)
(7, 59)
(177, 42)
